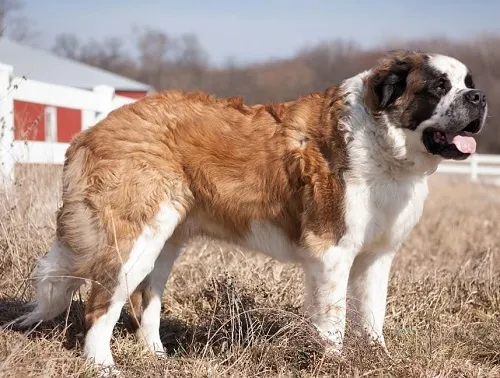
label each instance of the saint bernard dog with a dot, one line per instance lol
(334, 181)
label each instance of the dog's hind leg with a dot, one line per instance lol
(148, 297)
(108, 298)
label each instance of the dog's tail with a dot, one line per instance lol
(55, 285)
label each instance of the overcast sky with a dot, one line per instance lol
(251, 30)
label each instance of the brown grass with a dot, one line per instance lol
(227, 313)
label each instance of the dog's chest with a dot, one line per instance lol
(381, 214)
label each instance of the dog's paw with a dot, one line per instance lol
(160, 354)
(108, 371)
(332, 342)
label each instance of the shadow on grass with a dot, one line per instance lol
(235, 328)
(71, 325)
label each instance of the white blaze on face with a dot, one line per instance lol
(456, 72)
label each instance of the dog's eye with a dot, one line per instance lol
(469, 83)
(441, 85)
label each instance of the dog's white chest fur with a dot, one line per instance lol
(380, 214)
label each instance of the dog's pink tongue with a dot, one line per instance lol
(465, 144)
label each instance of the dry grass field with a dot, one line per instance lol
(228, 313)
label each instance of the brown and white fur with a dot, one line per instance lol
(334, 181)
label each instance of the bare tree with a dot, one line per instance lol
(67, 45)
(154, 49)
(108, 54)
(13, 24)
(190, 52)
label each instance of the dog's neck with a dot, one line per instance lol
(376, 147)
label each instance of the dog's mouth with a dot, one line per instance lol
(452, 145)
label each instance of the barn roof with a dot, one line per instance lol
(42, 65)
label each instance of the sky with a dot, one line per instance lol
(255, 30)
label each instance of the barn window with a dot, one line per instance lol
(50, 124)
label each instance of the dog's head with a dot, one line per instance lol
(432, 97)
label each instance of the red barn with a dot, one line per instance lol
(30, 119)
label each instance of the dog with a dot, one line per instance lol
(334, 181)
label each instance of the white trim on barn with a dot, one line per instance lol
(50, 124)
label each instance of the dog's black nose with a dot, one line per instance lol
(476, 97)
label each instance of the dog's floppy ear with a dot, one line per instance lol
(387, 81)
(392, 85)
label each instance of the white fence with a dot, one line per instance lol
(475, 166)
(94, 106)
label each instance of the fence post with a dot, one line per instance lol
(88, 118)
(474, 168)
(106, 94)
(7, 161)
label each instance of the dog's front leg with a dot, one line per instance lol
(327, 277)
(367, 293)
